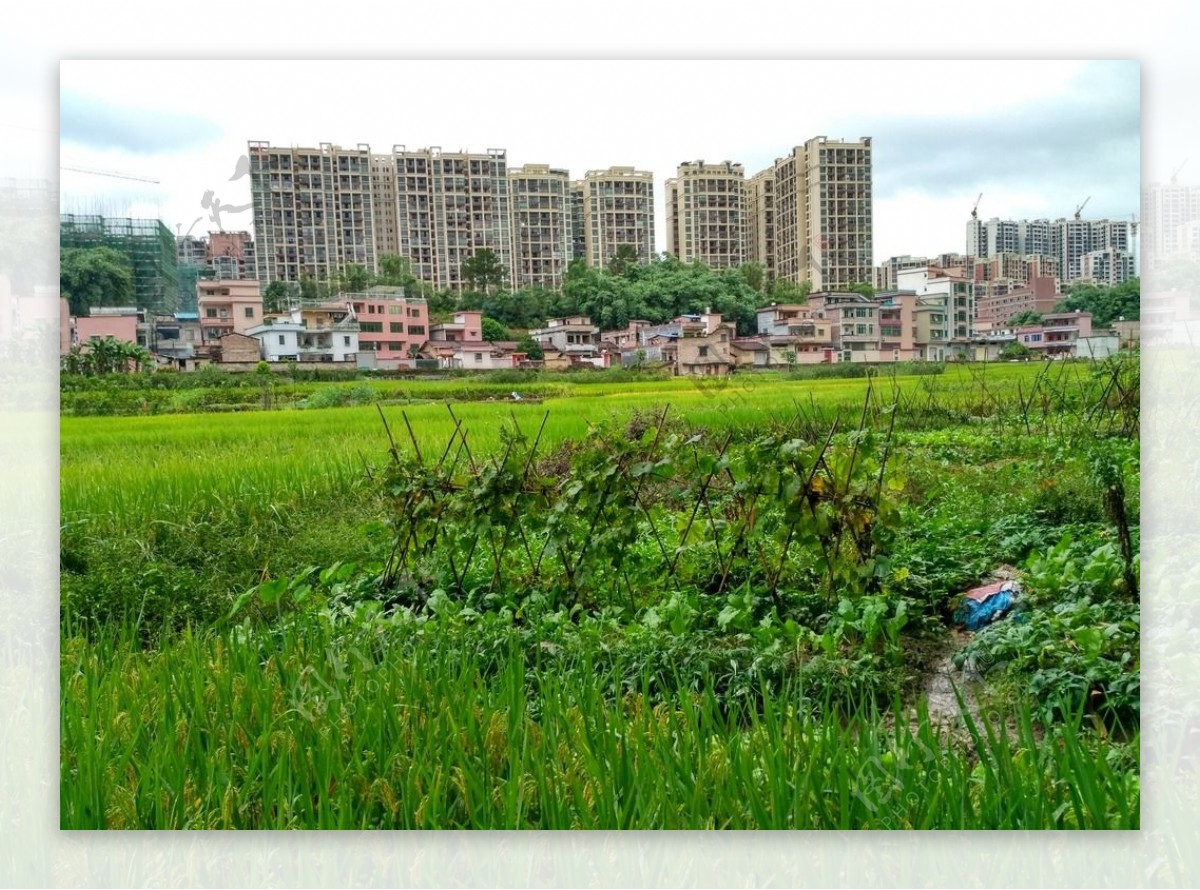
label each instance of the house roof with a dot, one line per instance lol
(749, 345)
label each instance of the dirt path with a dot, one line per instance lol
(939, 686)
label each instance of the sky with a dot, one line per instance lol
(1034, 138)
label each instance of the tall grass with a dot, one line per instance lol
(297, 729)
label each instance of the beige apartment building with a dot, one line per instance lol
(706, 214)
(383, 202)
(539, 200)
(618, 208)
(313, 210)
(448, 206)
(823, 213)
(228, 306)
(760, 221)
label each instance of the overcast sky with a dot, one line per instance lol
(1035, 138)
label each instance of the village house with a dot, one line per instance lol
(575, 337)
(228, 306)
(467, 326)
(392, 327)
(704, 346)
(473, 355)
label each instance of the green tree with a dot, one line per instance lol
(278, 296)
(262, 375)
(308, 287)
(531, 348)
(483, 271)
(1026, 317)
(396, 271)
(525, 308)
(755, 275)
(784, 291)
(492, 330)
(625, 257)
(353, 279)
(1016, 349)
(861, 287)
(1106, 304)
(95, 276)
(107, 355)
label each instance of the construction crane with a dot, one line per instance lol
(1079, 209)
(112, 173)
(1177, 169)
(975, 209)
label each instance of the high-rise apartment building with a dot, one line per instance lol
(383, 203)
(1064, 240)
(887, 272)
(578, 222)
(986, 238)
(1035, 237)
(760, 221)
(1106, 266)
(823, 213)
(313, 212)
(706, 214)
(539, 203)
(618, 208)
(1166, 211)
(449, 205)
(1076, 238)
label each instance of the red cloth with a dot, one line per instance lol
(979, 594)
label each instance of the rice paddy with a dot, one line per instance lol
(331, 700)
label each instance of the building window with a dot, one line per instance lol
(249, 312)
(210, 313)
(418, 329)
(346, 340)
(281, 339)
(396, 327)
(703, 352)
(479, 356)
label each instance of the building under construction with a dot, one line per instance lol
(146, 243)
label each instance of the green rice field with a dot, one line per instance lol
(659, 603)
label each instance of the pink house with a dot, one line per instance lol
(228, 306)
(1057, 334)
(121, 324)
(467, 327)
(391, 326)
(66, 327)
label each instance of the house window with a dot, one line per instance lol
(249, 312)
(210, 313)
(418, 329)
(703, 352)
(346, 340)
(396, 327)
(479, 356)
(281, 339)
